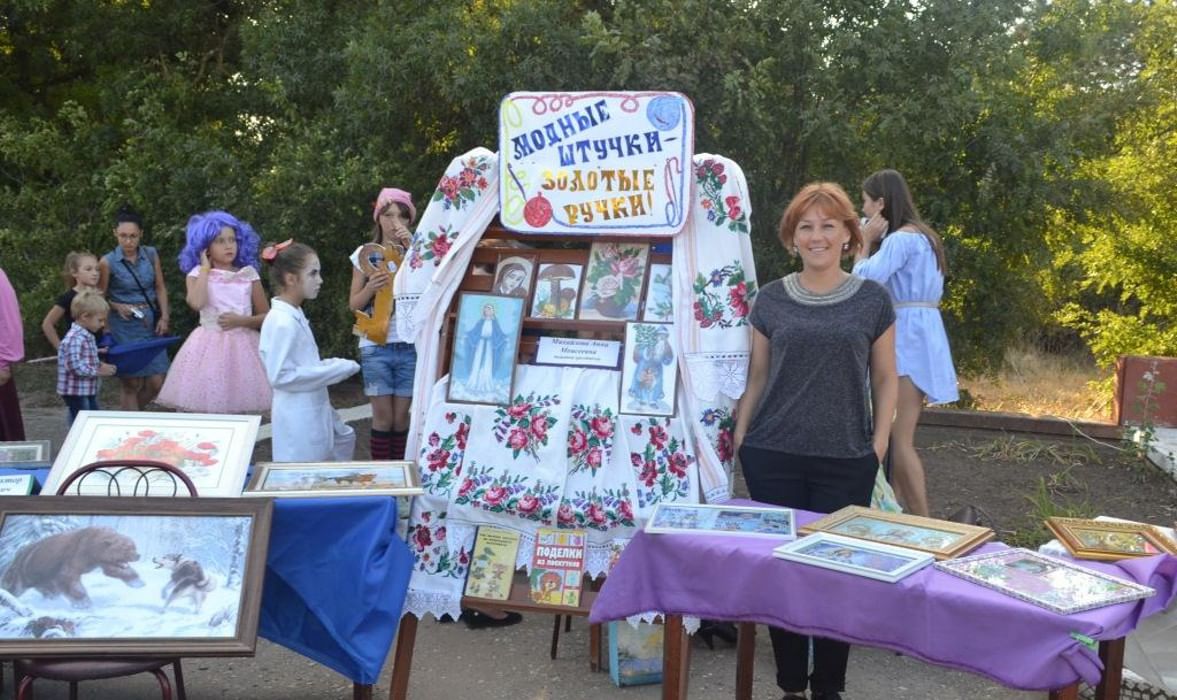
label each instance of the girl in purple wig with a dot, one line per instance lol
(218, 369)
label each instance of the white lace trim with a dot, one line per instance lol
(405, 327)
(422, 603)
(715, 373)
(719, 493)
(689, 623)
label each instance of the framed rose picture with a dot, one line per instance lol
(720, 519)
(649, 373)
(859, 557)
(318, 479)
(659, 302)
(940, 538)
(27, 453)
(212, 449)
(103, 576)
(1054, 584)
(514, 275)
(613, 282)
(557, 289)
(1109, 540)
(485, 346)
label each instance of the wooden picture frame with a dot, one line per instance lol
(940, 538)
(722, 520)
(334, 479)
(175, 576)
(557, 290)
(1105, 540)
(649, 370)
(482, 368)
(214, 450)
(515, 276)
(658, 301)
(28, 453)
(614, 282)
(881, 562)
(1057, 585)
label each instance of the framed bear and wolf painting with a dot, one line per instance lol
(106, 576)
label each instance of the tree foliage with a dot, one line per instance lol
(1038, 138)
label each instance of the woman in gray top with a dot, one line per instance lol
(804, 433)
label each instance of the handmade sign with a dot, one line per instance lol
(612, 163)
(373, 258)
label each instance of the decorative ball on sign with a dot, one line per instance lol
(537, 211)
(664, 112)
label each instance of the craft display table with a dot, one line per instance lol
(929, 615)
(335, 582)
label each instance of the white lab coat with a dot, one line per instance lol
(305, 427)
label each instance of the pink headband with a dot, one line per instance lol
(392, 194)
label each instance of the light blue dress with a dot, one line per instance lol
(906, 265)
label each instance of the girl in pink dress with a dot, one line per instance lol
(218, 369)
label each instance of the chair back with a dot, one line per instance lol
(129, 477)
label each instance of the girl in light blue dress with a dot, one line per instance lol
(910, 264)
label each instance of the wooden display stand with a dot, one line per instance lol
(496, 242)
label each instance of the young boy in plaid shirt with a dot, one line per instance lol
(78, 366)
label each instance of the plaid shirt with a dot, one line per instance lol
(77, 363)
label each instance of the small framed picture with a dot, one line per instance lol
(719, 519)
(557, 289)
(659, 303)
(132, 576)
(314, 479)
(16, 484)
(613, 282)
(940, 538)
(514, 275)
(1057, 585)
(649, 374)
(212, 449)
(485, 347)
(1108, 540)
(859, 557)
(29, 453)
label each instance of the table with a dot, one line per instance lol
(930, 615)
(335, 581)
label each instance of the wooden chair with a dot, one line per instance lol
(122, 478)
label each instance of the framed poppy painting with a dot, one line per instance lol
(212, 449)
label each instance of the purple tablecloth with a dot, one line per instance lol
(929, 615)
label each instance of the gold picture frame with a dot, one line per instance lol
(1105, 540)
(940, 538)
(333, 479)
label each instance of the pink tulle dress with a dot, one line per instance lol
(220, 371)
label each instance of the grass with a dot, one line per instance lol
(1037, 383)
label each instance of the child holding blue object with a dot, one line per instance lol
(218, 369)
(910, 263)
(78, 366)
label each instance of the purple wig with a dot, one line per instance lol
(204, 228)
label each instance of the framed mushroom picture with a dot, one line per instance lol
(557, 289)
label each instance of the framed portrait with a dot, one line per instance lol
(313, 479)
(940, 538)
(485, 346)
(1054, 584)
(16, 484)
(719, 519)
(212, 449)
(613, 282)
(109, 576)
(659, 302)
(859, 557)
(29, 453)
(649, 372)
(557, 289)
(1108, 540)
(514, 276)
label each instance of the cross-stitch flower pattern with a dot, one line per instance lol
(597, 510)
(507, 493)
(662, 467)
(524, 425)
(724, 297)
(720, 424)
(458, 190)
(441, 456)
(160, 446)
(590, 438)
(721, 210)
(431, 551)
(431, 246)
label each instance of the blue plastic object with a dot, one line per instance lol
(132, 357)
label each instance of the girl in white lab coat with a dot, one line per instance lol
(305, 427)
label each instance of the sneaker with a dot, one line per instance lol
(827, 696)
